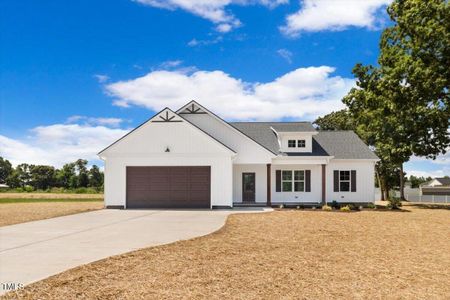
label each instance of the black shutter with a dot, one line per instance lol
(307, 180)
(278, 181)
(336, 181)
(353, 180)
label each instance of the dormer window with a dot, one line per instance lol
(301, 143)
(291, 143)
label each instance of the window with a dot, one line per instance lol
(299, 181)
(301, 143)
(291, 143)
(344, 181)
(286, 181)
(293, 179)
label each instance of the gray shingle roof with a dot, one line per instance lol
(293, 127)
(340, 144)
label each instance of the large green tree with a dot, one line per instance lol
(402, 106)
(336, 120)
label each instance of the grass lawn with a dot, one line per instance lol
(19, 210)
(280, 255)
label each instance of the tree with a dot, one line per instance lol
(402, 106)
(336, 120)
(42, 177)
(24, 174)
(5, 169)
(417, 181)
(66, 176)
(95, 177)
(83, 178)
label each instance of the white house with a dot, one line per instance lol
(439, 186)
(193, 158)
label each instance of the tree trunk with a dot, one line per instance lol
(380, 185)
(402, 183)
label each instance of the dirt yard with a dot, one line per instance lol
(286, 254)
(49, 196)
(14, 213)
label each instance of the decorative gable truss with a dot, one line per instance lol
(166, 115)
(192, 108)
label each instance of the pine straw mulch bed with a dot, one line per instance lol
(14, 213)
(280, 255)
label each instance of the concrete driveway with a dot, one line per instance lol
(33, 251)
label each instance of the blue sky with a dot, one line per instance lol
(75, 75)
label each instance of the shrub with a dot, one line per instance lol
(371, 205)
(28, 188)
(394, 203)
(352, 207)
(335, 204)
(327, 208)
(345, 208)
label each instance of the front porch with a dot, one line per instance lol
(300, 182)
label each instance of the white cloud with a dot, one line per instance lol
(432, 174)
(212, 10)
(170, 64)
(286, 54)
(318, 15)
(301, 94)
(101, 78)
(112, 122)
(59, 144)
(194, 42)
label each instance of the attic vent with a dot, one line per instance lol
(192, 109)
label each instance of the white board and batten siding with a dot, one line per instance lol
(365, 181)
(260, 181)
(315, 195)
(188, 146)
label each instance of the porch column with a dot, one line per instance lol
(324, 184)
(269, 200)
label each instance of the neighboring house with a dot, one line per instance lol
(193, 158)
(437, 187)
(4, 186)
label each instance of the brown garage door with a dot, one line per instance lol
(168, 187)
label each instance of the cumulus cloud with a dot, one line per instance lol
(318, 15)
(101, 78)
(58, 144)
(304, 93)
(112, 122)
(286, 54)
(212, 10)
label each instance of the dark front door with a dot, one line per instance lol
(248, 187)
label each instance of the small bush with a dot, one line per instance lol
(352, 207)
(327, 208)
(345, 208)
(335, 204)
(28, 189)
(394, 203)
(371, 205)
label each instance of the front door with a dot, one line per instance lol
(248, 187)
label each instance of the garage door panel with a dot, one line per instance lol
(166, 187)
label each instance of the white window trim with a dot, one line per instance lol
(349, 181)
(298, 143)
(295, 143)
(293, 181)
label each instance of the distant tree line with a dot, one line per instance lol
(71, 176)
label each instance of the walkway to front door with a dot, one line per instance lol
(248, 187)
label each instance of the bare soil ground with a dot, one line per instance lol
(14, 213)
(49, 196)
(287, 254)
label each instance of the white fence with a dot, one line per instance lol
(428, 198)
